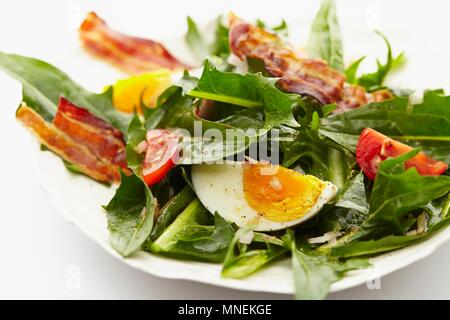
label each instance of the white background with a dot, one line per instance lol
(41, 253)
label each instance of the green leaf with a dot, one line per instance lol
(221, 45)
(192, 236)
(195, 40)
(317, 156)
(397, 191)
(325, 39)
(438, 217)
(397, 118)
(371, 247)
(350, 72)
(374, 80)
(251, 90)
(177, 112)
(338, 167)
(334, 219)
(246, 119)
(347, 141)
(385, 244)
(314, 273)
(170, 211)
(130, 215)
(280, 29)
(128, 222)
(219, 239)
(174, 111)
(43, 85)
(248, 262)
(310, 152)
(136, 134)
(313, 276)
(267, 239)
(354, 195)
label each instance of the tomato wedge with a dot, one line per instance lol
(161, 155)
(374, 147)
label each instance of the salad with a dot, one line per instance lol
(261, 152)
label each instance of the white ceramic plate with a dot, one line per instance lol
(79, 199)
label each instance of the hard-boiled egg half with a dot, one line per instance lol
(260, 196)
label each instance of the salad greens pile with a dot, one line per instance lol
(370, 217)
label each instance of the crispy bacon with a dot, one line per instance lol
(77, 136)
(103, 140)
(133, 55)
(297, 74)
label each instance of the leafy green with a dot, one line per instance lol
(195, 40)
(350, 209)
(374, 80)
(130, 215)
(316, 156)
(169, 186)
(200, 46)
(397, 118)
(177, 112)
(43, 85)
(325, 39)
(71, 167)
(337, 167)
(171, 210)
(252, 118)
(370, 247)
(396, 195)
(221, 46)
(219, 238)
(353, 196)
(281, 29)
(350, 72)
(248, 262)
(136, 134)
(345, 140)
(437, 218)
(192, 236)
(314, 273)
(309, 151)
(251, 90)
(397, 192)
(339, 219)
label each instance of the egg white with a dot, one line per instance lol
(220, 189)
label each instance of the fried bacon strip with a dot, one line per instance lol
(300, 75)
(103, 140)
(77, 136)
(133, 55)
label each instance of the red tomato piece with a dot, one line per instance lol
(161, 155)
(374, 147)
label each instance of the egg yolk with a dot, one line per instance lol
(127, 93)
(280, 194)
